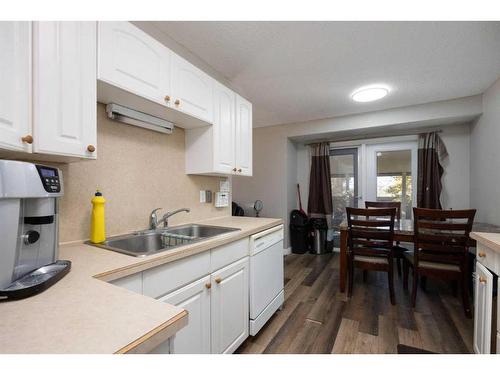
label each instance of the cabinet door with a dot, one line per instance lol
(15, 84)
(132, 60)
(64, 92)
(192, 90)
(483, 297)
(243, 136)
(224, 129)
(195, 298)
(230, 317)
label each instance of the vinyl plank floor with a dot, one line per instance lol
(317, 318)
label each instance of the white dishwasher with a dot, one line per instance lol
(266, 276)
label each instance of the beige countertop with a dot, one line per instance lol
(492, 240)
(82, 313)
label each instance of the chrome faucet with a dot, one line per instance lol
(153, 219)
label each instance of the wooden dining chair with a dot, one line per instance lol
(441, 249)
(398, 250)
(370, 243)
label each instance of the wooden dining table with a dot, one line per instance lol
(403, 232)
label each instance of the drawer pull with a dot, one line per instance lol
(208, 285)
(482, 255)
(177, 102)
(218, 280)
(167, 98)
(482, 280)
(90, 148)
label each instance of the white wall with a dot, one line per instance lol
(456, 177)
(485, 159)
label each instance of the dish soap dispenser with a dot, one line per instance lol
(97, 224)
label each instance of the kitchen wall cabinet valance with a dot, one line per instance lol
(137, 71)
(48, 96)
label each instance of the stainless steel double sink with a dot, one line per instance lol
(150, 242)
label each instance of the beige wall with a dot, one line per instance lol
(137, 170)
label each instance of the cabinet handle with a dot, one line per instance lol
(482, 280)
(167, 98)
(27, 139)
(90, 148)
(208, 285)
(234, 169)
(239, 170)
(218, 280)
(482, 255)
(177, 102)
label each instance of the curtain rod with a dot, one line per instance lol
(368, 137)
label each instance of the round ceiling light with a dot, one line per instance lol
(369, 93)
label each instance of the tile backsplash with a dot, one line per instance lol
(137, 170)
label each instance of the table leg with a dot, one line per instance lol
(343, 259)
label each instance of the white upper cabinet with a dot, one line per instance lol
(15, 85)
(224, 129)
(64, 88)
(192, 90)
(243, 138)
(132, 60)
(226, 147)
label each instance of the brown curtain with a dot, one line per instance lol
(320, 186)
(431, 152)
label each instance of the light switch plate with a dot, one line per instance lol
(203, 196)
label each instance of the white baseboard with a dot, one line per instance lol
(287, 251)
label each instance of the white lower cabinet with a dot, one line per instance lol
(195, 298)
(230, 307)
(483, 294)
(213, 287)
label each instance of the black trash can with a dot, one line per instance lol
(299, 232)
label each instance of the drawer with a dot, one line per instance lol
(160, 280)
(227, 254)
(263, 240)
(132, 282)
(488, 258)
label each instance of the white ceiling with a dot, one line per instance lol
(299, 71)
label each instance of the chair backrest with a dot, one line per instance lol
(396, 205)
(371, 230)
(442, 235)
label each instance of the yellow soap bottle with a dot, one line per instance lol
(97, 224)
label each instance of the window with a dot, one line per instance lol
(394, 179)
